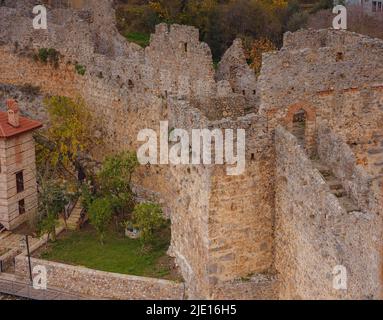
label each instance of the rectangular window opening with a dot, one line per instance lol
(19, 182)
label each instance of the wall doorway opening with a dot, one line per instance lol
(299, 126)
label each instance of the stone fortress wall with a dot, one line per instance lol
(247, 236)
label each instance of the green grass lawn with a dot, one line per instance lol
(142, 39)
(118, 254)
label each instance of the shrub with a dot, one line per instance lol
(148, 218)
(49, 55)
(80, 69)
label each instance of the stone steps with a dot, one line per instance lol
(335, 186)
(73, 222)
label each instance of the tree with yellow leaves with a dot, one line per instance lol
(69, 135)
(258, 47)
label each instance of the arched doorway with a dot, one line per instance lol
(300, 121)
(299, 126)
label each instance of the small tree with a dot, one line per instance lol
(100, 214)
(114, 180)
(52, 201)
(148, 217)
(48, 225)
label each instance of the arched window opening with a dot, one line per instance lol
(299, 126)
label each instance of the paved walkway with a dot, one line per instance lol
(10, 284)
(10, 241)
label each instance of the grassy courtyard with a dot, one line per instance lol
(118, 254)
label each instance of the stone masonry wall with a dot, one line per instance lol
(361, 186)
(241, 207)
(100, 284)
(339, 79)
(314, 233)
(258, 287)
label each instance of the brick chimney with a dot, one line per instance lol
(13, 113)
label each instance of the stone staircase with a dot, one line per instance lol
(76, 217)
(335, 186)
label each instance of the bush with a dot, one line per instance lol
(50, 55)
(148, 218)
(80, 69)
(100, 214)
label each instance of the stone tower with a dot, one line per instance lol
(18, 190)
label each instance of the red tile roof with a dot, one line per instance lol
(7, 131)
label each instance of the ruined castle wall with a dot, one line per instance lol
(339, 79)
(234, 68)
(229, 218)
(189, 199)
(241, 207)
(342, 161)
(314, 233)
(181, 64)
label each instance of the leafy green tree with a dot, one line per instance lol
(100, 214)
(53, 197)
(148, 218)
(48, 225)
(114, 180)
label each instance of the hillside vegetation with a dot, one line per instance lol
(219, 21)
